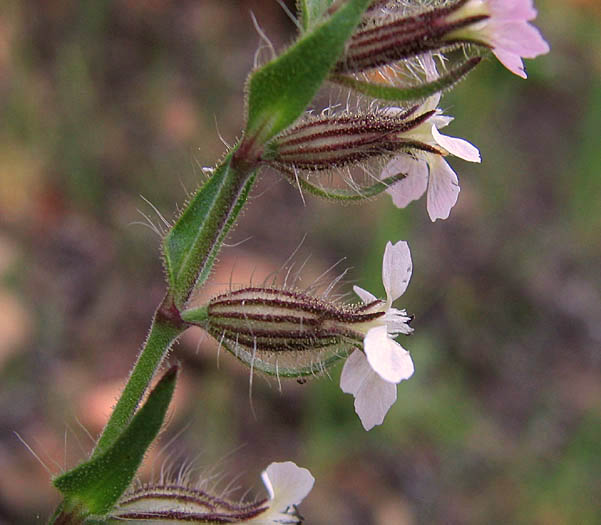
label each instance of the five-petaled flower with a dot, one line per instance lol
(506, 30)
(428, 170)
(371, 375)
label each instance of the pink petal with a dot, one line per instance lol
(443, 188)
(387, 357)
(355, 371)
(520, 38)
(286, 484)
(512, 9)
(512, 62)
(509, 33)
(364, 295)
(459, 147)
(396, 269)
(397, 321)
(413, 186)
(373, 396)
(441, 121)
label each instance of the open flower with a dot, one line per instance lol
(287, 485)
(429, 170)
(372, 375)
(506, 30)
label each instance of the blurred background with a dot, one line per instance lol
(106, 106)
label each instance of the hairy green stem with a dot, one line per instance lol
(219, 214)
(197, 250)
(166, 327)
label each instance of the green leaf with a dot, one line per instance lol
(96, 485)
(280, 91)
(312, 11)
(419, 92)
(162, 335)
(192, 244)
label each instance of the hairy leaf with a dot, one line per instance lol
(312, 11)
(280, 91)
(97, 484)
(192, 244)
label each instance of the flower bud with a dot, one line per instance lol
(389, 34)
(340, 141)
(181, 504)
(288, 333)
(286, 484)
(382, 40)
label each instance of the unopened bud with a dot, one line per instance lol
(339, 141)
(382, 40)
(176, 504)
(288, 333)
(286, 484)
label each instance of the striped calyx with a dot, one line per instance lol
(175, 504)
(169, 502)
(333, 141)
(382, 40)
(288, 333)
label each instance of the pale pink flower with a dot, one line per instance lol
(287, 485)
(429, 171)
(506, 31)
(372, 375)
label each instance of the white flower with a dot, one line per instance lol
(506, 31)
(426, 170)
(372, 375)
(287, 485)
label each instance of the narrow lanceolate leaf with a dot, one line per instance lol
(312, 11)
(96, 485)
(411, 93)
(287, 333)
(280, 91)
(192, 244)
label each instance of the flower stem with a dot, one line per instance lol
(219, 214)
(166, 327)
(193, 247)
